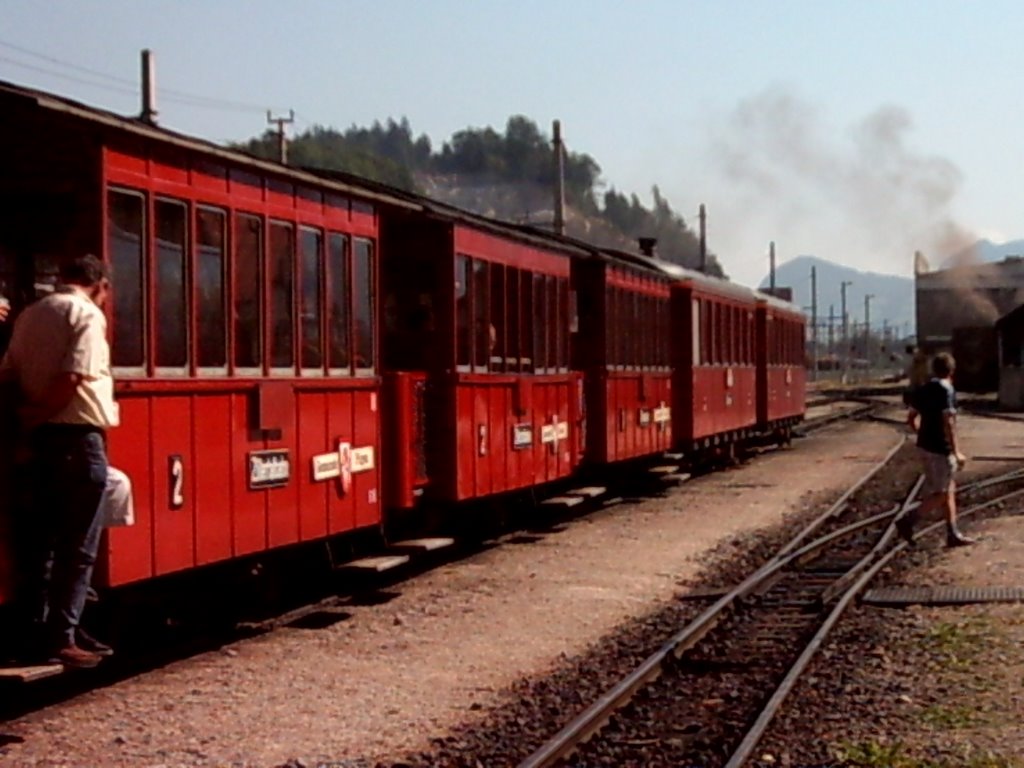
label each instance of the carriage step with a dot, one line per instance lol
(562, 501)
(667, 469)
(422, 545)
(30, 673)
(590, 492)
(375, 564)
(674, 456)
(676, 477)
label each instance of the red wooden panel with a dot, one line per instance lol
(312, 440)
(366, 434)
(363, 219)
(497, 419)
(244, 191)
(170, 173)
(118, 163)
(462, 464)
(481, 418)
(249, 508)
(504, 251)
(173, 529)
(283, 502)
(211, 495)
(129, 551)
(341, 505)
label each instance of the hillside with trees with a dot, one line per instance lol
(507, 175)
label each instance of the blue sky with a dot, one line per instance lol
(858, 132)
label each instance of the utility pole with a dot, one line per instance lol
(831, 331)
(867, 323)
(814, 324)
(771, 267)
(282, 139)
(846, 328)
(867, 327)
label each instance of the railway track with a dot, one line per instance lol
(706, 695)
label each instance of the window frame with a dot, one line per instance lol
(321, 299)
(259, 325)
(225, 292)
(143, 319)
(153, 288)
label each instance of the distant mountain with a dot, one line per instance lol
(987, 251)
(893, 297)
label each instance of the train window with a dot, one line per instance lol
(462, 312)
(171, 219)
(281, 318)
(696, 326)
(211, 330)
(480, 302)
(248, 323)
(526, 353)
(651, 321)
(338, 292)
(666, 333)
(567, 321)
(714, 333)
(553, 325)
(363, 288)
(540, 309)
(737, 336)
(512, 336)
(640, 332)
(623, 329)
(609, 326)
(708, 329)
(496, 348)
(311, 257)
(126, 254)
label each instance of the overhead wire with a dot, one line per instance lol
(123, 85)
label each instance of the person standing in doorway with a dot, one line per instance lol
(932, 415)
(60, 361)
(918, 373)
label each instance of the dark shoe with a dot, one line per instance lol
(905, 528)
(74, 657)
(89, 643)
(957, 539)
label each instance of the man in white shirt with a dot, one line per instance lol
(60, 361)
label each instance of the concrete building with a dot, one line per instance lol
(957, 309)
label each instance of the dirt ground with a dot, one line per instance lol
(444, 650)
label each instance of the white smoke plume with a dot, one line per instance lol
(880, 199)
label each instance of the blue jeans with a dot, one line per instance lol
(70, 475)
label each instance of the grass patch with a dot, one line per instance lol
(952, 718)
(874, 754)
(960, 643)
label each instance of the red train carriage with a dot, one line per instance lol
(782, 372)
(715, 362)
(623, 347)
(477, 319)
(242, 323)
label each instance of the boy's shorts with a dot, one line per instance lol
(938, 472)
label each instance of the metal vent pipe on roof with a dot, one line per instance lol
(647, 245)
(149, 112)
(703, 239)
(559, 148)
